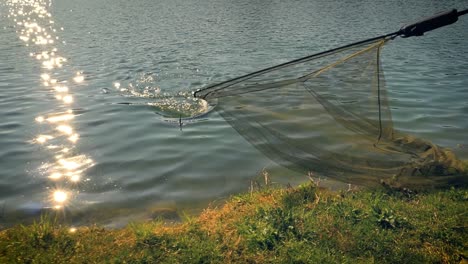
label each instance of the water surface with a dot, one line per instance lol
(83, 85)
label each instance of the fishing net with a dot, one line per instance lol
(328, 114)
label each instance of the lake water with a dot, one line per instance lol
(83, 85)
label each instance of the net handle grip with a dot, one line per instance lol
(427, 24)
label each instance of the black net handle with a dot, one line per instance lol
(427, 24)
(416, 29)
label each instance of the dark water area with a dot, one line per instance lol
(88, 90)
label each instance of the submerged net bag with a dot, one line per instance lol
(328, 114)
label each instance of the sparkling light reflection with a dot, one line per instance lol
(60, 196)
(60, 118)
(74, 138)
(55, 176)
(61, 89)
(40, 119)
(43, 138)
(66, 129)
(75, 178)
(68, 99)
(37, 31)
(78, 78)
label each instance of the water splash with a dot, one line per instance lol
(178, 104)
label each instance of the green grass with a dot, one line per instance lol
(296, 225)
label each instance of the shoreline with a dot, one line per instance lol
(307, 224)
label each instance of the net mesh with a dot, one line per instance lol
(329, 114)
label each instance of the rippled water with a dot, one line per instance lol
(94, 96)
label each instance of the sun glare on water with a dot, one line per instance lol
(60, 196)
(37, 31)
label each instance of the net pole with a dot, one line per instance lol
(415, 29)
(463, 12)
(393, 34)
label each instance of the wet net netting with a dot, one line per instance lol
(329, 114)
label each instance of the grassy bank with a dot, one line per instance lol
(300, 225)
